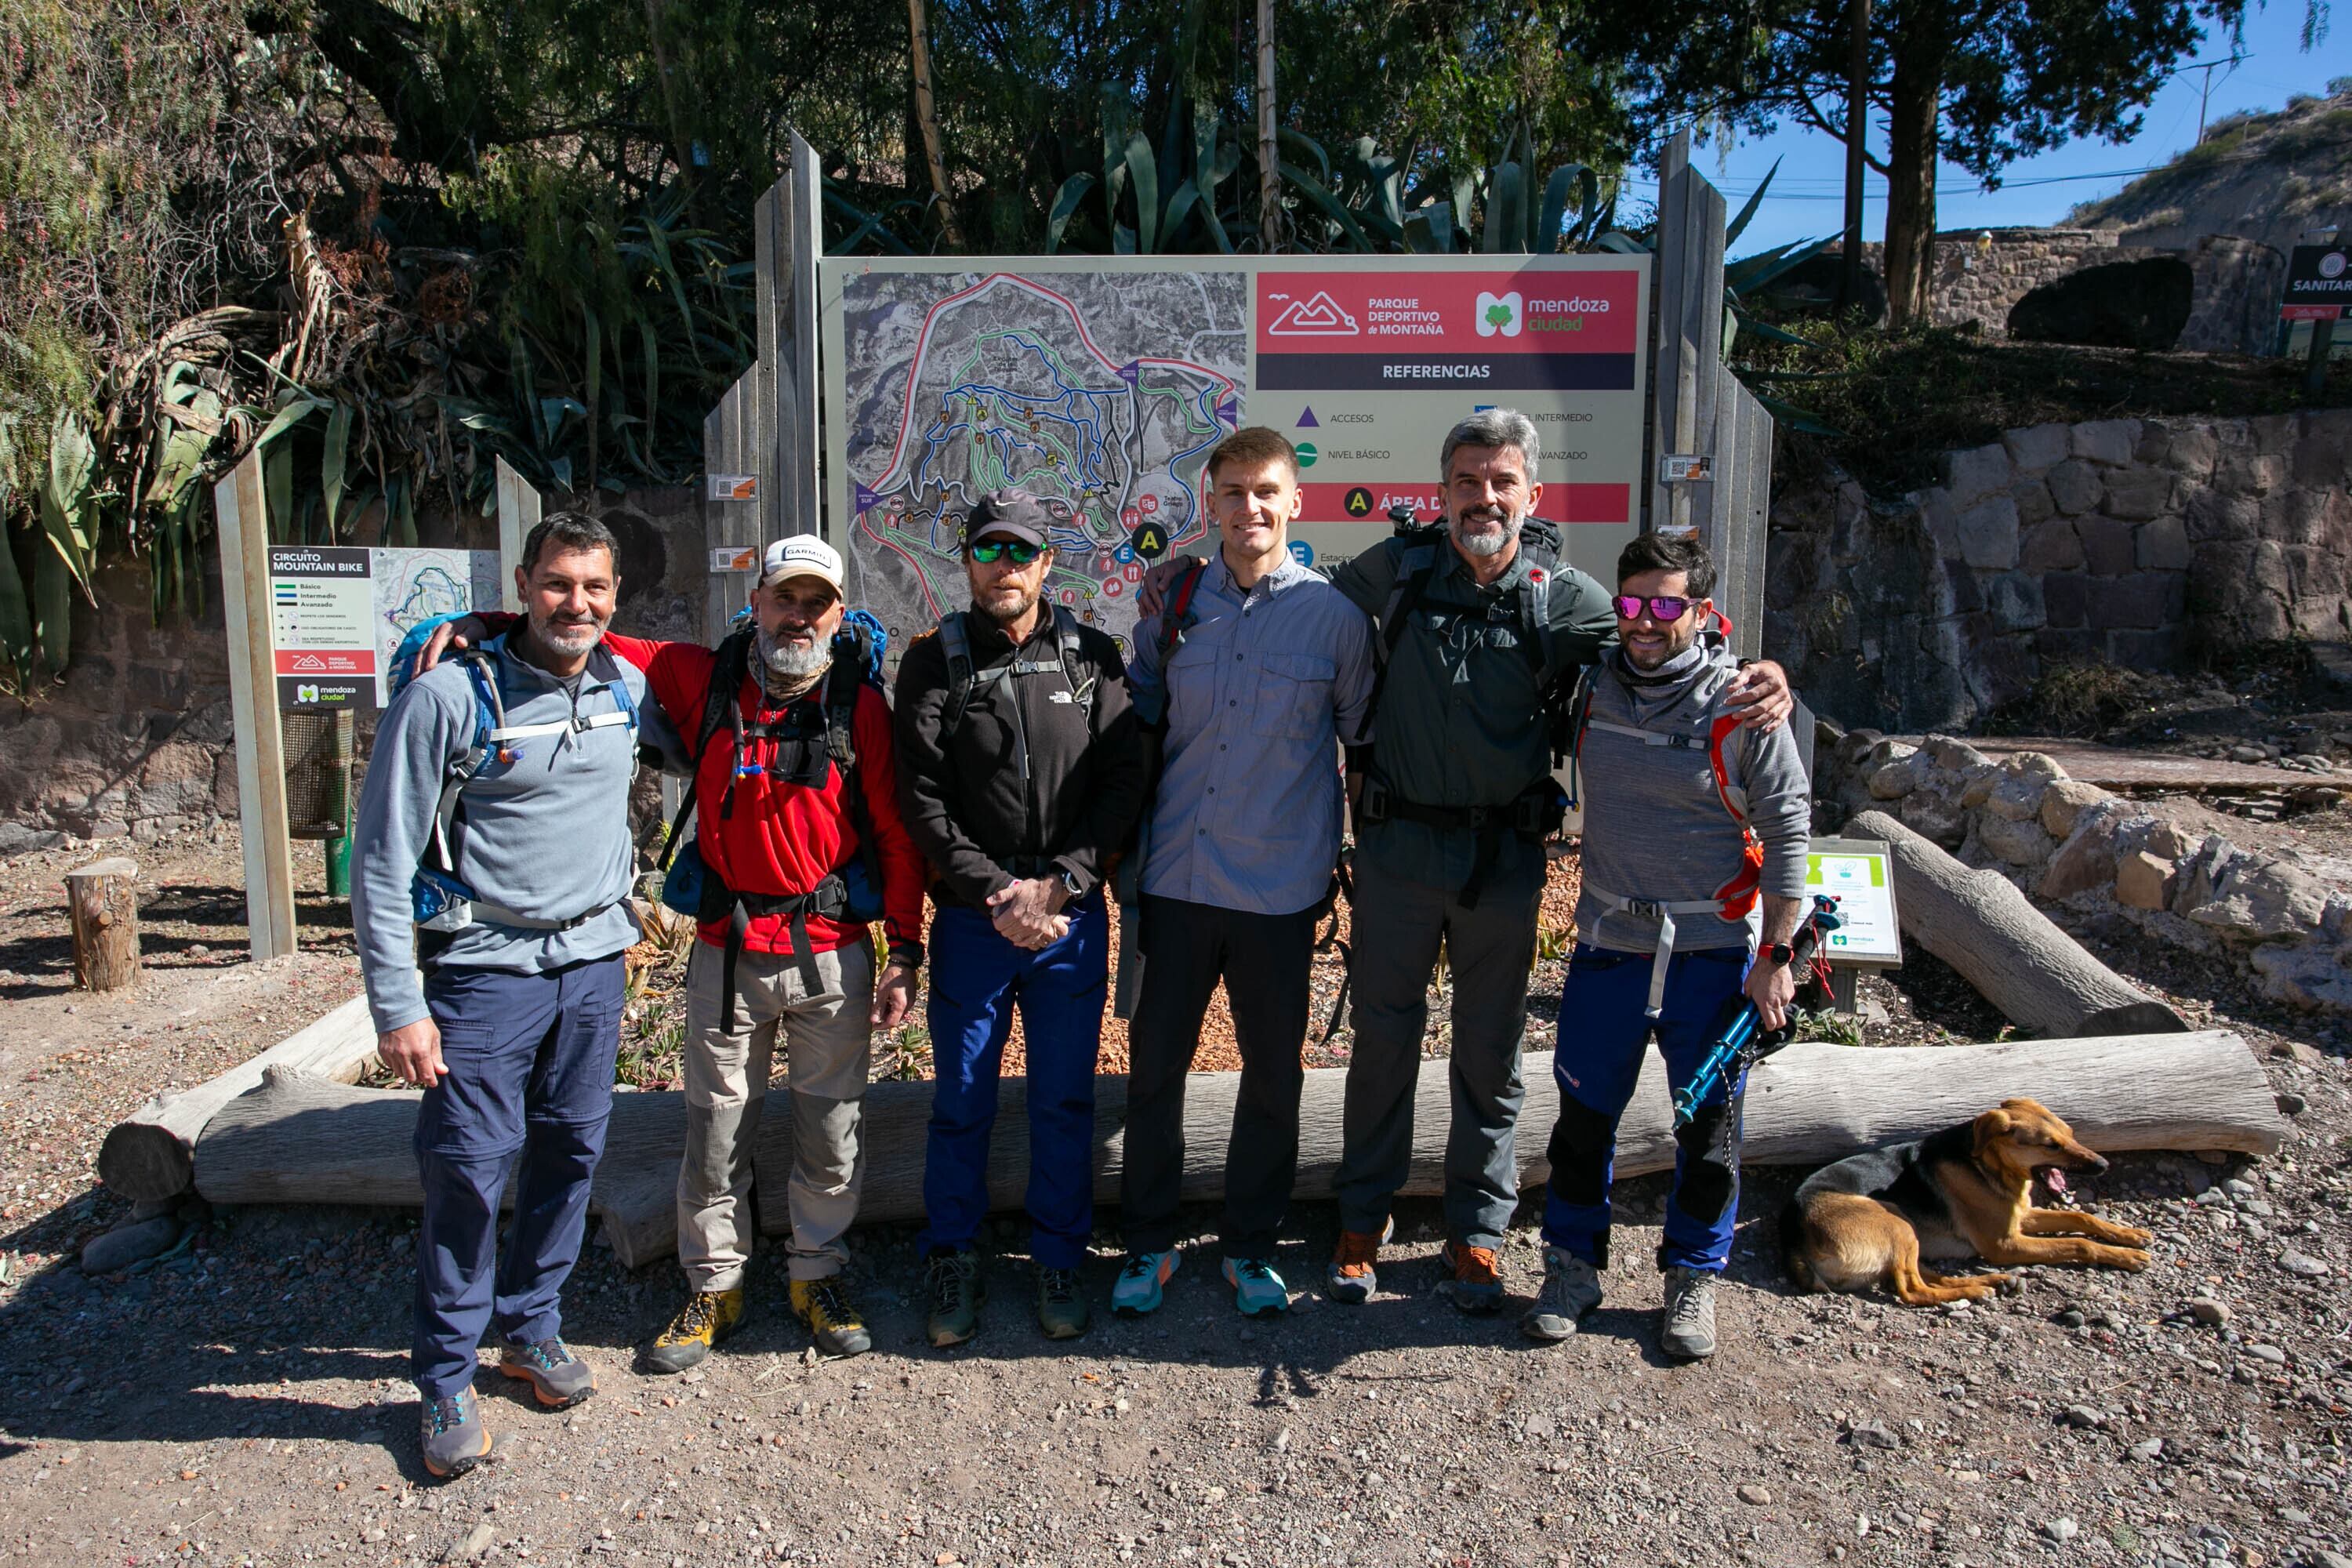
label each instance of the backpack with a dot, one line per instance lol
(1417, 563)
(966, 680)
(852, 892)
(440, 901)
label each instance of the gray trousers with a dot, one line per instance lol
(1490, 950)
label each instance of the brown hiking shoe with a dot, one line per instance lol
(1477, 1276)
(1352, 1277)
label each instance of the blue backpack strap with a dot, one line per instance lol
(403, 658)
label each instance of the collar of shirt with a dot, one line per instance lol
(1512, 575)
(990, 640)
(1285, 575)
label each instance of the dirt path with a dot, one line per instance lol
(246, 1401)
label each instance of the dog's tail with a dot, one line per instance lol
(1792, 1244)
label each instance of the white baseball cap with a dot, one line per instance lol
(802, 555)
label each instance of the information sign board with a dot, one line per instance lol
(1104, 381)
(337, 612)
(2318, 283)
(1858, 874)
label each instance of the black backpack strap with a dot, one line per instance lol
(1540, 542)
(841, 689)
(1416, 564)
(955, 641)
(722, 704)
(1080, 680)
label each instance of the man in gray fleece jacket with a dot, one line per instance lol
(493, 849)
(1691, 822)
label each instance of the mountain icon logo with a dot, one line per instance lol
(1498, 314)
(1317, 315)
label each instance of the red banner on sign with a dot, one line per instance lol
(327, 661)
(1369, 502)
(1532, 312)
(2311, 312)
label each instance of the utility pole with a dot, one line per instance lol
(2205, 92)
(1269, 167)
(1857, 142)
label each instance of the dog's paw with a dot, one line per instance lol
(2134, 1237)
(2010, 1284)
(2132, 1258)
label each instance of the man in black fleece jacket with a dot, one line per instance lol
(1022, 769)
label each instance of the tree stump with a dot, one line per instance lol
(103, 899)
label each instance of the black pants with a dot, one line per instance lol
(1264, 961)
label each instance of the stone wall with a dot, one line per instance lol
(136, 739)
(2186, 875)
(2121, 540)
(1982, 274)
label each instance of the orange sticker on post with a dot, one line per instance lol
(731, 486)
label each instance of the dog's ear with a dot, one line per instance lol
(1989, 1126)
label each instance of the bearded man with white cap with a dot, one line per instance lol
(800, 837)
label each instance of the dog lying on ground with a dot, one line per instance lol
(1965, 1191)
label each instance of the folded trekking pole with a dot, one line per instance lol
(1743, 1041)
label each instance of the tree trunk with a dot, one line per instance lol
(1911, 181)
(146, 1157)
(297, 1139)
(1857, 147)
(103, 898)
(927, 115)
(1979, 922)
(1269, 154)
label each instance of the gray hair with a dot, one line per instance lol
(1494, 427)
(569, 531)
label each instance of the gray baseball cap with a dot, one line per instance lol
(1011, 513)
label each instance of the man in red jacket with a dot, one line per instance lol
(781, 838)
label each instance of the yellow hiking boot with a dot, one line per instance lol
(707, 1317)
(823, 1305)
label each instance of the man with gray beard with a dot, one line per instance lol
(1482, 628)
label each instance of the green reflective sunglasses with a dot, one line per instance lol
(989, 552)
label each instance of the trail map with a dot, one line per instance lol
(1101, 392)
(413, 585)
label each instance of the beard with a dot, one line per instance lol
(1483, 544)
(1005, 609)
(568, 636)
(792, 663)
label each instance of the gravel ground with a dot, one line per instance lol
(244, 1401)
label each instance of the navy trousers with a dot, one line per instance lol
(530, 1068)
(1604, 1035)
(977, 979)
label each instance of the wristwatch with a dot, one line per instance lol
(1069, 880)
(1781, 954)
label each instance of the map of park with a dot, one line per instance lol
(1101, 392)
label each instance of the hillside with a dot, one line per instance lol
(2261, 177)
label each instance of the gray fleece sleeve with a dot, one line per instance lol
(1780, 808)
(415, 742)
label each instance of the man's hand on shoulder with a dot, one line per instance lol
(1152, 592)
(1759, 694)
(451, 637)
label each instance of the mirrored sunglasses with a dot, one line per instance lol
(987, 552)
(1664, 608)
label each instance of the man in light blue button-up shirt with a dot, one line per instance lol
(1269, 674)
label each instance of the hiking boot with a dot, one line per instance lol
(1060, 1310)
(951, 1279)
(1689, 1316)
(1570, 1289)
(1350, 1278)
(1477, 1283)
(823, 1305)
(451, 1433)
(558, 1378)
(1258, 1291)
(707, 1317)
(1140, 1277)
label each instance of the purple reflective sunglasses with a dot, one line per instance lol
(1664, 608)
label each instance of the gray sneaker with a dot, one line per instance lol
(1570, 1289)
(451, 1433)
(558, 1378)
(1690, 1314)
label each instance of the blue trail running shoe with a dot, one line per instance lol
(1140, 1277)
(1258, 1291)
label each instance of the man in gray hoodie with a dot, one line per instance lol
(493, 849)
(1691, 820)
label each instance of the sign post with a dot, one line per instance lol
(1857, 873)
(239, 502)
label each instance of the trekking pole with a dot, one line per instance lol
(1743, 1041)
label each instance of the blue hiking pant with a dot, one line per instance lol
(977, 979)
(530, 1068)
(1604, 1035)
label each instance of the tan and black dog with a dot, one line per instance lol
(1965, 1192)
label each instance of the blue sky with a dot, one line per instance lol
(1806, 200)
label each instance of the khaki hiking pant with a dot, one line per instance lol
(829, 1038)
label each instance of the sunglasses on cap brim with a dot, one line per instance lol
(1021, 552)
